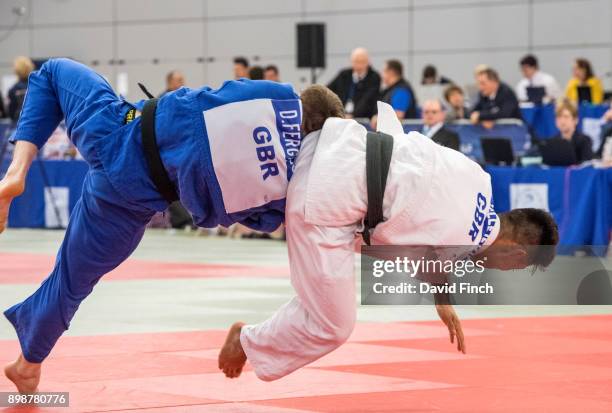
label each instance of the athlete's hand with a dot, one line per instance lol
(447, 314)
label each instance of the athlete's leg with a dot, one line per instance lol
(61, 89)
(65, 89)
(103, 231)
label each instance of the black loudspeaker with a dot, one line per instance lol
(310, 45)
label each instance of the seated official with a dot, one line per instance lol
(567, 121)
(583, 75)
(496, 100)
(433, 125)
(430, 77)
(398, 92)
(174, 81)
(358, 86)
(457, 109)
(534, 77)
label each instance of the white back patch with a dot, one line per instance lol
(247, 152)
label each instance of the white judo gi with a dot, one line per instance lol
(434, 196)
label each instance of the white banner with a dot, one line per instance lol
(529, 196)
(56, 206)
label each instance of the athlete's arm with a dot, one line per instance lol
(447, 314)
(13, 183)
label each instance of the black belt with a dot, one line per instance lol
(158, 173)
(379, 148)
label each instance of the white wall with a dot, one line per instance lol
(455, 35)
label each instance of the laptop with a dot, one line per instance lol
(536, 94)
(558, 152)
(584, 94)
(497, 150)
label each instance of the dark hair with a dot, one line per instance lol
(533, 228)
(429, 71)
(318, 104)
(585, 65)
(396, 67)
(256, 73)
(272, 68)
(239, 60)
(491, 74)
(529, 60)
(450, 90)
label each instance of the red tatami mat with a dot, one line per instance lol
(24, 268)
(544, 364)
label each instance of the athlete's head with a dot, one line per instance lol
(527, 237)
(318, 104)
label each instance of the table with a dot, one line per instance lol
(580, 198)
(470, 135)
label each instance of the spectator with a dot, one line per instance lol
(533, 77)
(456, 100)
(398, 92)
(22, 67)
(3, 113)
(430, 77)
(241, 67)
(174, 80)
(357, 86)
(567, 121)
(271, 73)
(583, 75)
(256, 73)
(496, 100)
(606, 132)
(433, 125)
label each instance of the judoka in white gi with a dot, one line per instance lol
(434, 196)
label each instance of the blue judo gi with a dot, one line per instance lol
(229, 153)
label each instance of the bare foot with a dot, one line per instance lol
(10, 188)
(232, 357)
(24, 375)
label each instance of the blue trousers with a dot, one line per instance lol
(104, 228)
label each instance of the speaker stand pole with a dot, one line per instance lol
(313, 75)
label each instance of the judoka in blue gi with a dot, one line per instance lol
(227, 153)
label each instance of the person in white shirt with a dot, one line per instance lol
(434, 196)
(533, 77)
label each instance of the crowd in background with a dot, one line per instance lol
(360, 86)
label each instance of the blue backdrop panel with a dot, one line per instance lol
(541, 119)
(28, 210)
(580, 199)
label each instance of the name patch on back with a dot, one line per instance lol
(253, 146)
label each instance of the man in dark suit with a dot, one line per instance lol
(358, 86)
(496, 99)
(433, 125)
